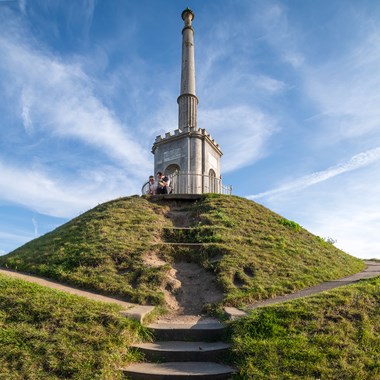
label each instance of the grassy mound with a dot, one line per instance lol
(47, 334)
(261, 254)
(334, 335)
(102, 250)
(254, 253)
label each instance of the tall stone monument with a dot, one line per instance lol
(189, 154)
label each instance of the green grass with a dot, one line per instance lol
(102, 250)
(334, 335)
(254, 253)
(262, 255)
(47, 334)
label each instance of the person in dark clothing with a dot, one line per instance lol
(163, 183)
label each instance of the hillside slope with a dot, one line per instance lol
(47, 334)
(253, 252)
(263, 255)
(334, 335)
(102, 250)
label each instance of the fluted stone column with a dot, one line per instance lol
(187, 101)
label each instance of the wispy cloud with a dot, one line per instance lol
(10, 240)
(240, 97)
(62, 197)
(346, 90)
(61, 99)
(346, 209)
(77, 152)
(358, 161)
(25, 113)
(22, 5)
(35, 225)
(242, 133)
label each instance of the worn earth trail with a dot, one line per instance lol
(372, 270)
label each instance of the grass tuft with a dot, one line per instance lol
(47, 334)
(334, 335)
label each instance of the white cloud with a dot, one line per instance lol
(345, 207)
(346, 90)
(25, 113)
(12, 237)
(295, 59)
(61, 97)
(273, 21)
(358, 161)
(354, 228)
(270, 85)
(340, 86)
(22, 5)
(35, 226)
(65, 197)
(241, 131)
(350, 214)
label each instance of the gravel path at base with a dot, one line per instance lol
(372, 270)
(64, 288)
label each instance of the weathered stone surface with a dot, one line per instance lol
(138, 312)
(189, 149)
(178, 351)
(234, 313)
(178, 370)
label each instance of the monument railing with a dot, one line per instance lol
(190, 183)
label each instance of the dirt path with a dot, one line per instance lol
(189, 286)
(372, 270)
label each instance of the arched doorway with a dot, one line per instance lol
(212, 181)
(172, 171)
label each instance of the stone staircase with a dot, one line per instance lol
(188, 347)
(183, 351)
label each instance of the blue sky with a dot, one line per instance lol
(289, 89)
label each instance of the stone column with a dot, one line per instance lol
(187, 101)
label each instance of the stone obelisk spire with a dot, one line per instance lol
(187, 101)
(189, 155)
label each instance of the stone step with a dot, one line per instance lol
(177, 351)
(179, 197)
(200, 229)
(178, 371)
(234, 313)
(205, 234)
(183, 244)
(138, 312)
(210, 330)
(171, 228)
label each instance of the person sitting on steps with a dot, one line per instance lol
(152, 186)
(163, 184)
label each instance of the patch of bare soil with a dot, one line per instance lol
(197, 289)
(179, 217)
(171, 284)
(188, 286)
(151, 259)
